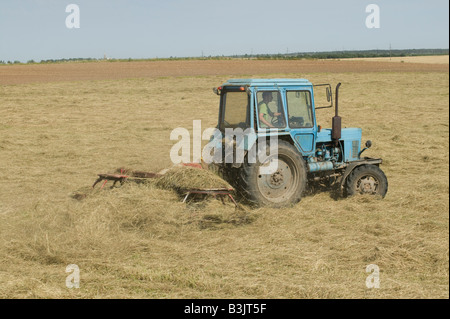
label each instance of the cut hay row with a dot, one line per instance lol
(184, 178)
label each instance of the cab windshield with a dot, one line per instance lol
(235, 110)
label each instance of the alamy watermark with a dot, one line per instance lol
(73, 280)
(373, 19)
(373, 280)
(73, 19)
(235, 145)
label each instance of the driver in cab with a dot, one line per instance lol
(265, 114)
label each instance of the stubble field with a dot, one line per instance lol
(62, 124)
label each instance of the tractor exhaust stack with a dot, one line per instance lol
(336, 122)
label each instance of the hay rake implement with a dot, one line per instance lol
(126, 175)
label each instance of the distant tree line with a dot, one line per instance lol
(51, 61)
(10, 62)
(354, 54)
(279, 56)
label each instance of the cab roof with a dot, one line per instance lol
(267, 82)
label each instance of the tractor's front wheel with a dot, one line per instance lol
(283, 185)
(367, 179)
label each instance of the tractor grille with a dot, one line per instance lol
(355, 148)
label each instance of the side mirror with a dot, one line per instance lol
(321, 97)
(329, 94)
(368, 145)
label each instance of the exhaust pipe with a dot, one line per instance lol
(336, 122)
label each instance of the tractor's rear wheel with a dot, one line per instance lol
(284, 184)
(366, 179)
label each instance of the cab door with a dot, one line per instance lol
(301, 119)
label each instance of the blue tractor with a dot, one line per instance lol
(307, 154)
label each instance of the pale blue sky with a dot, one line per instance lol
(36, 29)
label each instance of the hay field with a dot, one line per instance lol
(139, 241)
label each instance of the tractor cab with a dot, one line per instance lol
(284, 107)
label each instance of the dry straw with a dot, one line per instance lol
(141, 241)
(184, 178)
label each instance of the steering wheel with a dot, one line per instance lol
(296, 121)
(278, 121)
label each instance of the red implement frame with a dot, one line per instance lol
(213, 192)
(110, 177)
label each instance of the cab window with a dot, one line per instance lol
(270, 110)
(299, 109)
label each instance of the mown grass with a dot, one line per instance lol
(139, 241)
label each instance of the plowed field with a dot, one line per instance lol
(16, 74)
